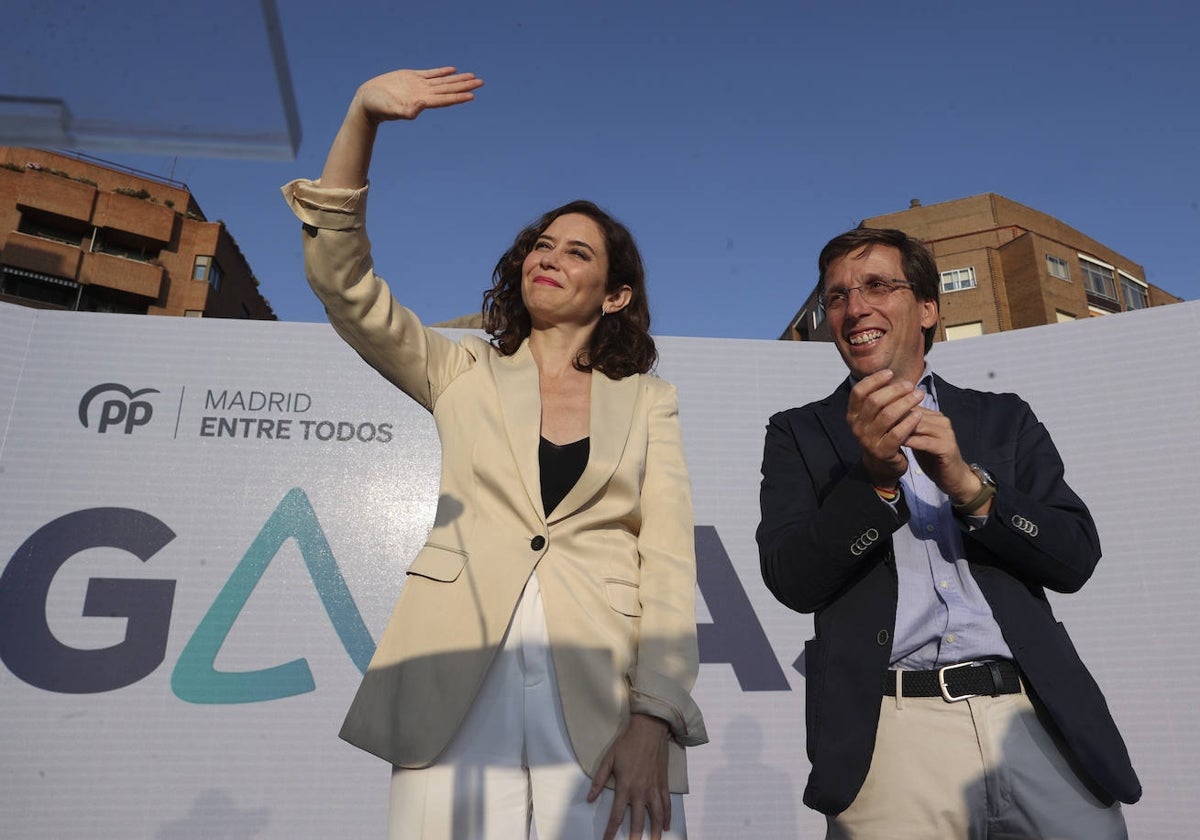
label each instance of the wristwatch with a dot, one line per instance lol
(986, 492)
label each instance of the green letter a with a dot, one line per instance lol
(195, 678)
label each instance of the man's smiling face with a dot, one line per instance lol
(887, 334)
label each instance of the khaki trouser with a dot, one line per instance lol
(980, 768)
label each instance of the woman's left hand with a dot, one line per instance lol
(638, 763)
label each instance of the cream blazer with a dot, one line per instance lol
(615, 560)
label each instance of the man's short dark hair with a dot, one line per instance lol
(915, 257)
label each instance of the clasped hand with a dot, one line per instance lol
(885, 414)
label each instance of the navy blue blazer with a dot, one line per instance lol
(825, 547)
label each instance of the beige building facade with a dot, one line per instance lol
(1005, 266)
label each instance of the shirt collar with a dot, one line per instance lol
(925, 383)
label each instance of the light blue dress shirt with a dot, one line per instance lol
(941, 614)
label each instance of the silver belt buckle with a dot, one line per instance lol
(941, 674)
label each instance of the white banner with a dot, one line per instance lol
(205, 525)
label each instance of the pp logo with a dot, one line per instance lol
(122, 409)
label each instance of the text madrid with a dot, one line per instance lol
(282, 428)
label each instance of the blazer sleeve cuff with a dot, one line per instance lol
(328, 208)
(684, 721)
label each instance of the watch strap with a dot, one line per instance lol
(986, 492)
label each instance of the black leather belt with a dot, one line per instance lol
(958, 682)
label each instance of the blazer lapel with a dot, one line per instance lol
(963, 416)
(609, 421)
(832, 414)
(521, 406)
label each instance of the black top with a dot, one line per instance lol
(561, 467)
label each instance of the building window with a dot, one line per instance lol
(99, 299)
(46, 289)
(802, 328)
(1098, 278)
(964, 330)
(1058, 268)
(46, 226)
(118, 245)
(208, 269)
(1134, 292)
(957, 279)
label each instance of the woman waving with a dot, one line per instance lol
(539, 661)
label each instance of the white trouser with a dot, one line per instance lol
(511, 760)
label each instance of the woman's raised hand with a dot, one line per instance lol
(399, 95)
(403, 94)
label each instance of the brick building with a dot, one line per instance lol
(1005, 266)
(81, 235)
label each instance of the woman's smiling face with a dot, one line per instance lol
(565, 275)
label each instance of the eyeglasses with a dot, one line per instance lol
(873, 291)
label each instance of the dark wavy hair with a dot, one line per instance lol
(621, 344)
(920, 268)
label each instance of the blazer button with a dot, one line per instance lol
(881, 638)
(537, 543)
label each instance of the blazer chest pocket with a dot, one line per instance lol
(438, 562)
(623, 597)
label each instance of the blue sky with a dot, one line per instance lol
(734, 138)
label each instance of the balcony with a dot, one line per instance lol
(44, 256)
(56, 194)
(138, 278)
(140, 217)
